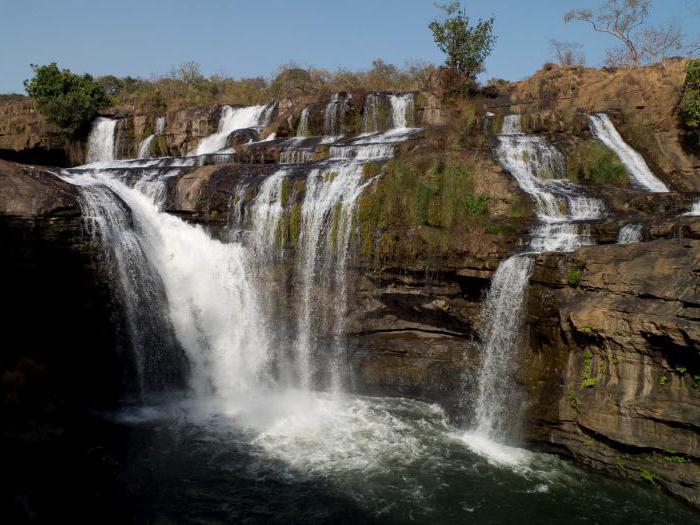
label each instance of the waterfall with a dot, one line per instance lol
(145, 146)
(233, 119)
(207, 295)
(334, 114)
(100, 144)
(539, 169)
(379, 107)
(402, 110)
(604, 130)
(630, 233)
(503, 313)
(303, 128)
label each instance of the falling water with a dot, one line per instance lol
(538, 168)
(630, 233)
(402, 110)
(145, 146)
(303, 129)
(100, 144)
(334, 114)
(604, 130)
(233, 119)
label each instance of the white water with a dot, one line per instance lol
(539, 169)
(334, 114)
(145, 146)
(210, 299)
(402, 109)
(233, 119)
(694, 211)
(604, 130)
(100, 144)
(303, 128)
(630, 233)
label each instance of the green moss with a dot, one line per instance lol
(295, 223)
(592, 163)
(681, 370)
(663, 380)
(573, 402)
(574, 277)
(371, 170)
(586, 330)
(674, 458)
(648, 475)
(588, 380)
(494, 229)
(285, 189)
(335, 226)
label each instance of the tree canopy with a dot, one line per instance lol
(466, 46)
(65, 99)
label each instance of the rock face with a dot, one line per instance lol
(612, 368)
(642, 102)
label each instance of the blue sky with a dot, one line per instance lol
(244, 38)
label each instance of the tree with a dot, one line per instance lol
(690, 103)
(568, 53)
(466, 46)
(624, 20)
(65, 99)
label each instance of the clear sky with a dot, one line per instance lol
(244, 38)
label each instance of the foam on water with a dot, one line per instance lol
(233, 119)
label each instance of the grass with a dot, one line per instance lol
(587, 380)
(574, 277)
(427, 193)
(592, 163)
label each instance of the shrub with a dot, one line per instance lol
(65, 99)
(594, 164)
(690, 104)
(574, 277)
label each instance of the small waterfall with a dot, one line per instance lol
(503, 314)
(694, 211)
(303, 129)
(538, 168)
(604, 130)
(233, 119)
(402, 110)
(370, 116)
(334, 115)
(100, 144)
(630, 233)
(145, 146)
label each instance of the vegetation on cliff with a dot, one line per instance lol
(65, 99)
(690, 104)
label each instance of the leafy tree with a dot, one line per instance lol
(466, 46)
(292, 81)
(65, 99)
(690, 103)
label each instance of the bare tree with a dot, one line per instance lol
(656, 42)
(619, 18)
(568, 53)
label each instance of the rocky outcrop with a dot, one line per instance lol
(612, 368)
(642, 102)
(26, 191)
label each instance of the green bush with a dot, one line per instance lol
(593, 163)
(690, 104)
(574, 277)
(65, 99)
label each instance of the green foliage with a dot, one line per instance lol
(65, 99)
(587, 380)
(430, 195)
(594, 164)
(466, 46)
(690, 103)
(574, 277)
(674, 458)
(494, 229)
(663, 380)
(573, 402)
(648, 475)
(681, 370)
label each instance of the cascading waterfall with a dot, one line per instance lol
(402, 110)
(233, 119)
(334, 114)
(604, 130)
(100, 144)
(145, 146)
(207, 295)
(630, 233)
(303, 129)
(538, 168)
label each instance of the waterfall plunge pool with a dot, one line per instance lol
(297, 457)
